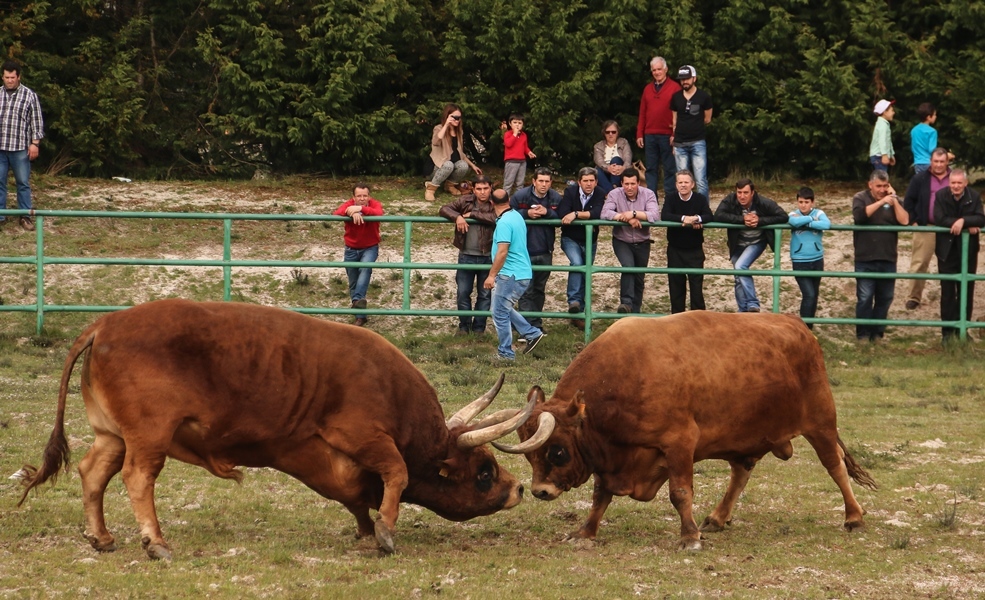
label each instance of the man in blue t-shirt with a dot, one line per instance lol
(509, 277)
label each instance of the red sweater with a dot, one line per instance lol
(366, 235)
(655, 113)
(515, 147)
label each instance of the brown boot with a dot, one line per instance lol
(452, 188)
(429, 190)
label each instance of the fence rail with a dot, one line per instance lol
(41, 260)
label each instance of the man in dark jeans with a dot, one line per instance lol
(685, 245)
(654, 128)
(474, 243)
(538, 201)
(633, 205)
(960, 208)
(875, 252)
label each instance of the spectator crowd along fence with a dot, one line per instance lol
(41, 260)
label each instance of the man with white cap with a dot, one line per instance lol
(691, 110)
(881, 154)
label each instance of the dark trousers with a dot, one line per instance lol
(631, 284)
(466, 281)
(874, 296)
(659, 153)
(683, 258)
(533, 299)
(810, 287)
(951, 290)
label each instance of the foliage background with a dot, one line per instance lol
(193, 88)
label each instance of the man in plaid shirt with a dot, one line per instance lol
(21, 130)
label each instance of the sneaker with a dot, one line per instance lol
(27, 223)
(624, 309)
(531, 344)
(912, 304)
(574, 307)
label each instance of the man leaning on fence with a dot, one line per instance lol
(875, 252)
(582, 201)
(960, 208)
(919, 204)
(474, 242)
(21, 130)
(362, 243)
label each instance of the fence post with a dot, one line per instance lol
(227, 255)
(39, 268)
(777, 247)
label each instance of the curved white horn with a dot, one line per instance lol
(545, 427)
(478, 437)
(496, 418)
(469, 411)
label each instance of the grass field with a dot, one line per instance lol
(910, 412)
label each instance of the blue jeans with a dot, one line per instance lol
(874, 296)
(575, 251)
(504, 296)
(658, 154)
(876, 162)
(694, 157)
(20, 164)
(359, 277)
(466, 280)
(917, 169)
(533, 299)
(607, 181)
(745, 287)
(810, 287)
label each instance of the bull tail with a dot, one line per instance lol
(57, 453)
(855, 471)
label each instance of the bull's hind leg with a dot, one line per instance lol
(140, 470)
(833, 458)
(722, 515)
(103, 460)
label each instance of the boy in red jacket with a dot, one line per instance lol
(516, 151)
(362, 242)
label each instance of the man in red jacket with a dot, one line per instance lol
(655, 127)
(362, 243)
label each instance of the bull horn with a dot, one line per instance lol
(496, 418)
(469, 411)
(478, 437)
(545, 427)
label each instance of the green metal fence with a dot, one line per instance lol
(40, 260)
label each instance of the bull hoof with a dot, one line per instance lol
(384, 537)
(158, 552)
(690, 545)
(853, 525)
(709, 526)
(102, 545)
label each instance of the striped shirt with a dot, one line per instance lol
(20, 119)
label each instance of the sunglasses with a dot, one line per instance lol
(611, 132)
(458, 118)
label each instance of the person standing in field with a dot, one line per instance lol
(516, 151)
(692, 109)
(21, 130)
(959, 208)
(919, 202)
(655, 126)
(631, 204)
(923, 137)
(807, 249)
(881, 154)
(579, 202)
(362, 243)
(685, 244)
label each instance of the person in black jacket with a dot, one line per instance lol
(685, 244)
(918, 204)
(582, 201)
(537, 201)
(746, 207)
(960, 208)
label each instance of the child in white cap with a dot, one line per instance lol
(881, 153)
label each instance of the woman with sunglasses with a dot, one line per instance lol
(611, 155)
(451, 164)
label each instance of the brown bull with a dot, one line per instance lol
(221, 385)
(650, 397)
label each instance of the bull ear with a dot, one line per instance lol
(538, 392)
(447, 466)
(576, 408)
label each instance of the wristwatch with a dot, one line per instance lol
(634, 214)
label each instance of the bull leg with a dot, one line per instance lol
(382, 457)
(722, 515)
(140, 471)
(680, 464)
(833, 459)
(364, 525)
(103, 460)
(601, 498)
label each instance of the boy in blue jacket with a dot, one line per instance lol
(807, 250)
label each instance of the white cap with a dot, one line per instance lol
(882, 106)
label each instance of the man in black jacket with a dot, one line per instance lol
(746, 207)
(959, 208)
(537, 201)
(918, 202)
(685, 244)
(579, 202)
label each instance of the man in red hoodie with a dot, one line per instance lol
(655, 127)
(362, 243)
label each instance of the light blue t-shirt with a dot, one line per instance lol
(923, 140)
(511, 229)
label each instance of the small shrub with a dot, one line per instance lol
(951, 407)
(299, 277)
(947, 514)
(900, 542)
